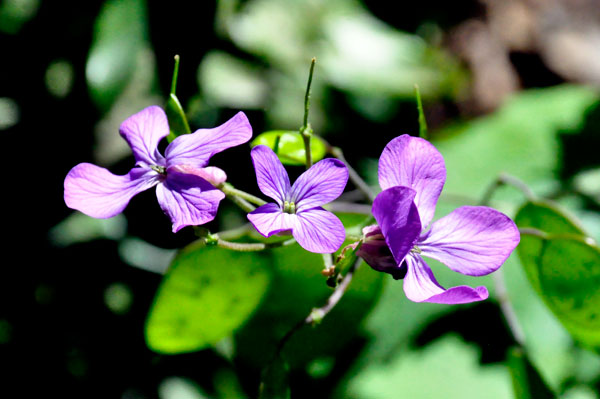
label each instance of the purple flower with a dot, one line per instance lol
(298, 209)
(472, 240)
(185, 186)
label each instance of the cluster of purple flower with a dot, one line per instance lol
(472, 240)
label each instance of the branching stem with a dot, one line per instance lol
(354, 176)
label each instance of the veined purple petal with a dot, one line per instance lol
(413, 162)
(268, 219)
(472, 240)
(212, 174)
(398, 218)
(196, 149)
(271, 176)
(318, 230)
(321, 183)
(143, 131)
(189, 200)
(421, 286)
(100, 194)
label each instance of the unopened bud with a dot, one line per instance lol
(375, 251)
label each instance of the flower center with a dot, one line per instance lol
(289, 207)
(159, 169)
(415, 250)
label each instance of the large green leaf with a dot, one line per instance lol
(291, 150)
(564, 267)
(547, 217)
(208, 293)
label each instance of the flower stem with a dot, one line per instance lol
(422, 121)
(318, 314)
(501, 292)
(507, 309)
(250, 247)
(354, 176)
(506, 180)
(175, 75)
(306, 130)
(241, 198)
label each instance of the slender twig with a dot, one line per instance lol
(530, 231)
(507, 309)
(508, 180)
(498, 277)
(354, 176)
(306, 130)
(317, 314)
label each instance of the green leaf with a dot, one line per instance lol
(178, 123)
(120, 32)
(563, 265)
(549, 218)
(527, 382)
(207, 294)
(291, 146)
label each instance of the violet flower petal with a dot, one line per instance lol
(413, 162)
(189, 200)
(398, 218)
(196, 149)
(143, 131)
(321, 183)
(318, 230)
(271, 176)
(472, 240)
(100, 194)
(268, 219)
(421, 286)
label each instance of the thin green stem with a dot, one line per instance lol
(307, 94)
(530, 231)
(242, 203)
(250, 247)
(175, 75)
(232, 192)
(507, 309)
(505, 179)
(498, 277)
(422, 121)
(276, 144)
(354, 176)
(306, 130)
